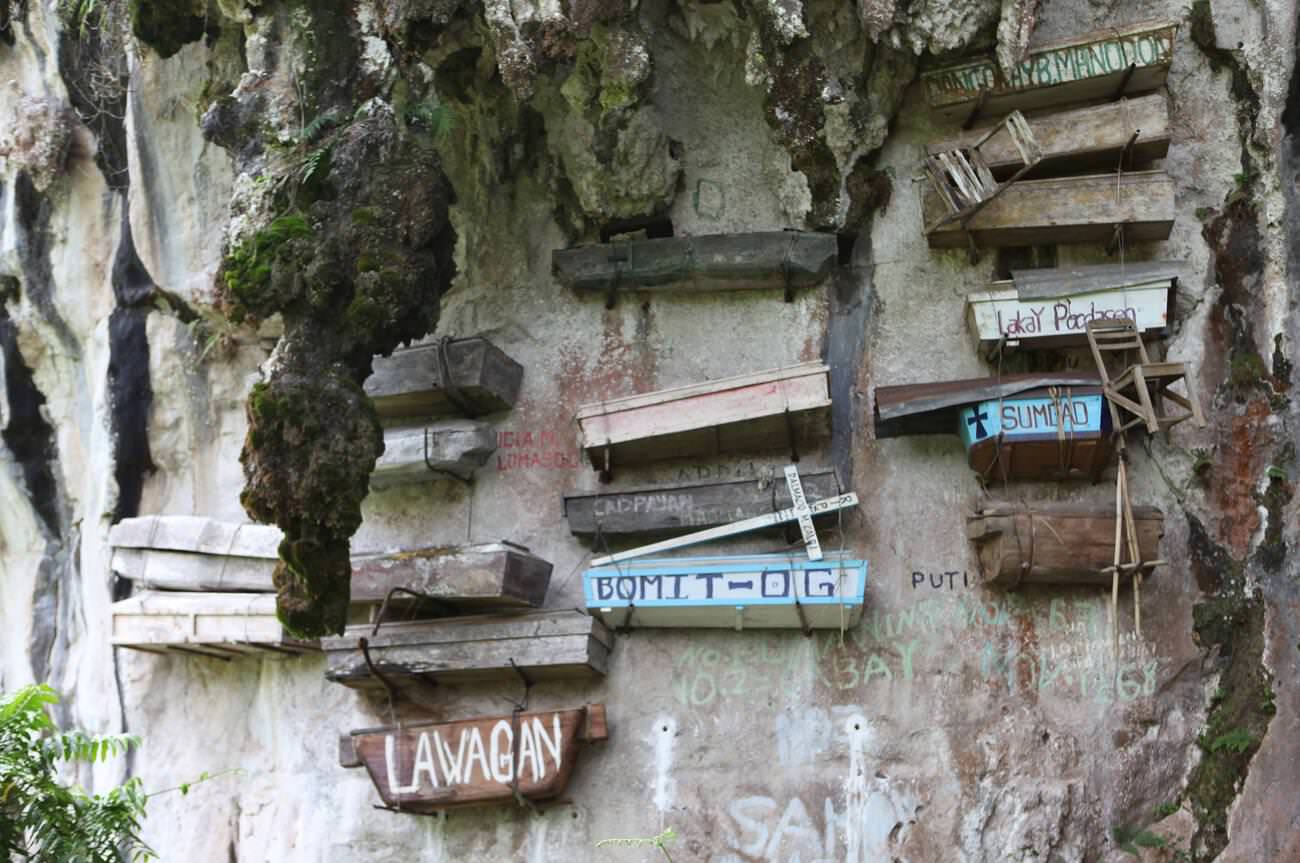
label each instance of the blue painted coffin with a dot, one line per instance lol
(736, 592)
(1036, 435)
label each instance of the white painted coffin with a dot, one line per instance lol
(220, 625)
(763, 591)
(1052, 308)
(185, 552)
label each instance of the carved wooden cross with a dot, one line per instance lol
(802, 511)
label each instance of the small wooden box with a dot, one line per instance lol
(220, 625)
(483, 380)
(493, 574)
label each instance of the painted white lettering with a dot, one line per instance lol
(423, 762)
(502, 744)
(477, 753)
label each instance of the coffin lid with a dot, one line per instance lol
(640, 400)
(918, 409)
(1075, 510)
(1041, 284)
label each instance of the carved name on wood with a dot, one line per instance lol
(425, 768)
(1105, 64)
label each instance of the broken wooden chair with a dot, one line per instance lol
(961, 176)
(1141, 387)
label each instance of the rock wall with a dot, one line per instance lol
(142, 143)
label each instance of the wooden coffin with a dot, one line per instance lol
(1101, 65)
(1082, 139)
(1050, 308)
(715, 262)
(182, 552)
(481, 380)
(743, 413)
(425, 767)
(1039, 434)
(543, 644)
(1055, 544)
(739, 592)
(221, 625)
(447, 449)
(1082, 209)
(494, 574)
(679, 509)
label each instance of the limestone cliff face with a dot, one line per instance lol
(203, 202)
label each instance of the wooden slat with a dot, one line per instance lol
(544, 644)
(1082, 209)
(678, 509)
(1081, 139)
(450, 447)
(409, 383)
(1055, 545)
(196, 534)
(482, 575)
(1089, 66)
(218, 623)
(712, 262)
(428, 767)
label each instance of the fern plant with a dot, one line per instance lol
(45, 821)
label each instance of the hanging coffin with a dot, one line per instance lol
(1103, 65)
(541, 644)
(494, 574)
(465, 377)
(737, 592)
(678, 509)
(1049, 308)
(1094, 138)
(1082, 209)
(786, 407)
(716, 262)
(1055, 544)
(426, 767)
(450, 449)
(1021, 426)
(220, 625)
(181, 552)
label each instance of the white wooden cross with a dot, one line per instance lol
(802, 511)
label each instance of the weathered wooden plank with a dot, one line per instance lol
(1055, 544)
(544, 644)
(178, 570)
(1003, 315)
(216, 623)
(1082, 209)
(679, 509)
(482, 575)
(718, 416)
(1082, 139)
(713, 262)
(428, 767)
(736, 592)
(453, 448)
(1100, 65)
(483, 380)
(196, 534)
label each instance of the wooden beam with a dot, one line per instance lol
(481, 380)
(1086, 67)
(715, 262)
(222, 622)
(447, 449)
(1083, 209)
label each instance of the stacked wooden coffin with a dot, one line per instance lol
(1054, 174)
(431, 399)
